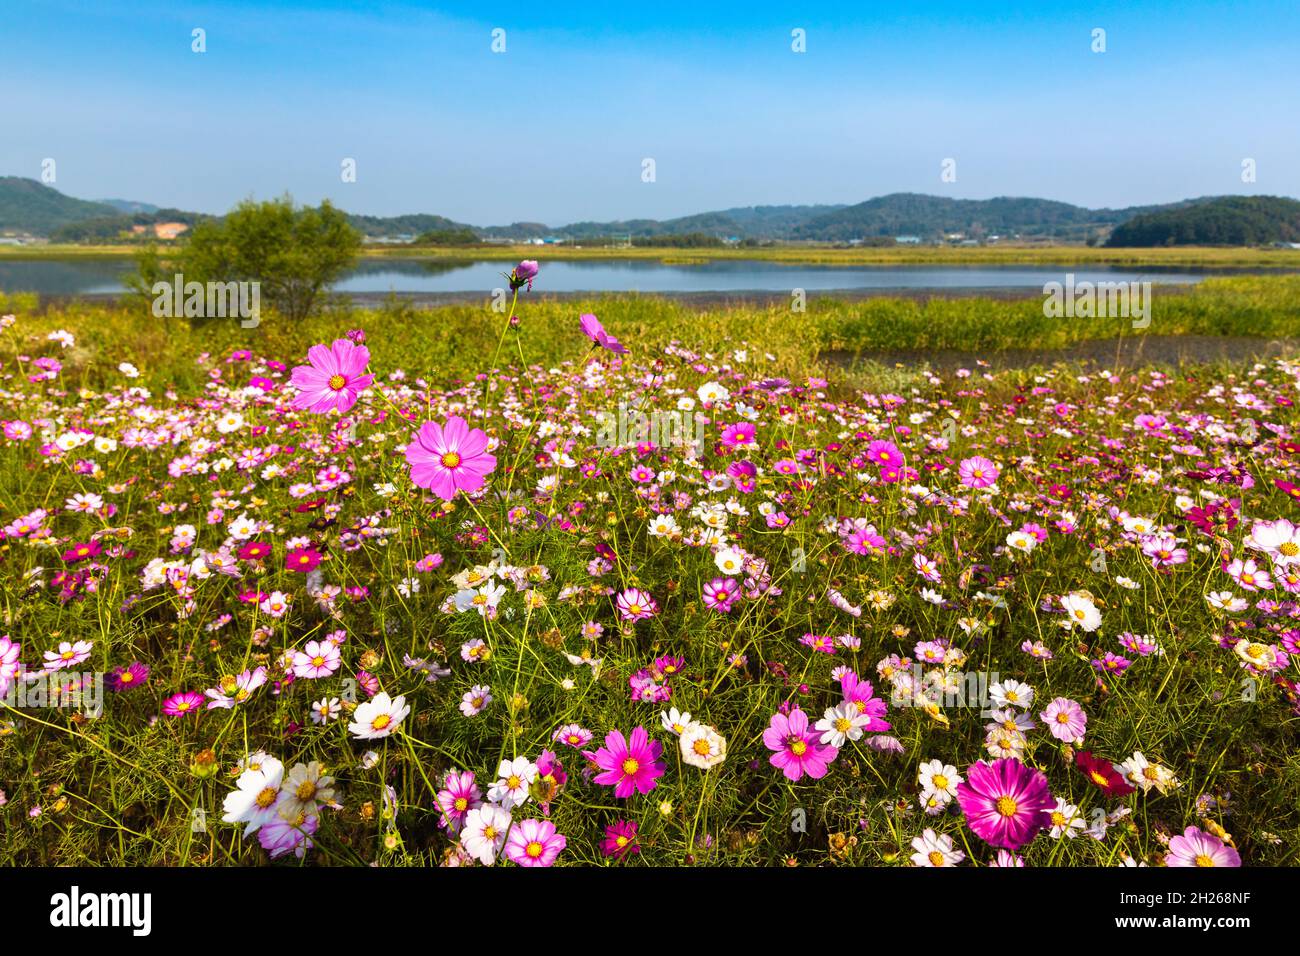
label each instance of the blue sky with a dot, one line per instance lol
(556, 128)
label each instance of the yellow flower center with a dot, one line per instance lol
(534, 849)
(1203, 860)
(306, 790)
(843, 725)
(798, 747)
(461, 804)
(337, 382)
(1290, 549)
(380, 722)
(1006, 806)
(936, 858)
(940, 781)
(513, 781)
(450, 460)
(701, 747)
(265, 797)
(630, 767)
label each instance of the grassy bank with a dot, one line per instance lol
(460, 340)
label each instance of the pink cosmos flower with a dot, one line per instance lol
(635, 605)
(68, 655)
(593, 330)
(797, 749)
(317, 659)
(572, 735)
(534, 843)
(9, 651)
(741, 433)
(862, 696)
(523, 274)
(302, 559)
(885, 454)
(620, 840)
(186, 702)
(1006, 803)
(449, 458)
(720, 594)
(334, 379)
(459, 795)
(978, 472)
(1198, 848)
(1065, 719)
(630, 765)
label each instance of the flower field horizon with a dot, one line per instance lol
(633, 586)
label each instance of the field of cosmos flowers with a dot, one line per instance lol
(644, 606)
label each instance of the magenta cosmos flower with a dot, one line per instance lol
(186, 702)
(629, 765)
(592, 329)
(720, 594)
(978, 472)
(1198, 848)
(449, 458)
(334, 379)
(1005, 803)
(797, 750)
(885, 454)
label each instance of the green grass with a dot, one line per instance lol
(459, 340)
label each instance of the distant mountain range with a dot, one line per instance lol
(32, 208)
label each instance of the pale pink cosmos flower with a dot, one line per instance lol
(1065, 719)
(1198, 848)
(316, 659)
(68, 655)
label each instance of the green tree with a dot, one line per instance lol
(295, 253)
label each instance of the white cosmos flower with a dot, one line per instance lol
(675, 721)
(729, 561)
(515, 777)
(255, 794)
(378, 717)
(702, 746)
(1081, 612)
(484, 831)
(935, 849)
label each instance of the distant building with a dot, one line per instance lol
(162, 230)
(908, 240)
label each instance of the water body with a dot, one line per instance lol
(85, 276)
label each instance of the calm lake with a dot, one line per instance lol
(104, 276)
